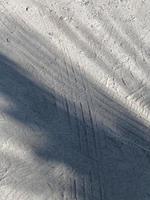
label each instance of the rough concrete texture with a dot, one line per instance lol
(74, 100)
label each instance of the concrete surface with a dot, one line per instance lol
(74, 100)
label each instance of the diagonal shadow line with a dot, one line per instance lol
(43, 152)
(35, 107)
(136, 82)
(122, 81)
(130, 122)
(86, 49)
(113, 58)
(133, 35)
(109, 57)
(129, 50)
(89, 36)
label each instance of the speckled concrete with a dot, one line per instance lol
(74, 100)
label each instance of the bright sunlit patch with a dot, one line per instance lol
(4, 102)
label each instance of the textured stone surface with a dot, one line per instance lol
(74, 100)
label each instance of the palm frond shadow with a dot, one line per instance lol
(35, 107)
(107, 153)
